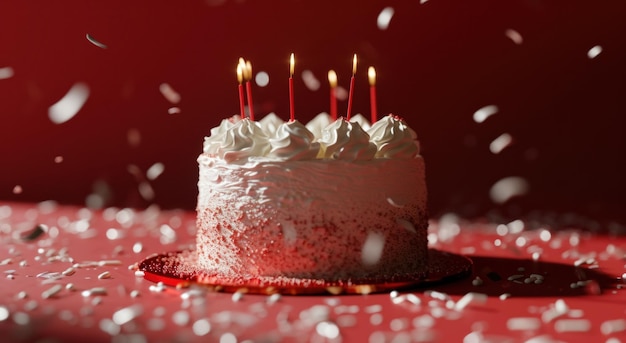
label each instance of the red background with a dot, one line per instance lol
(437, 63)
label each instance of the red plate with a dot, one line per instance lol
(177, 269)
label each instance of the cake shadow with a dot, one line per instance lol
(498, 276)
(180, 269)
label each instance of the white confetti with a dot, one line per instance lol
(17, 189)
(155, 171)
(52, 291)
(173, 110)
(613, 326)
(523, 324)
(146, 191)
(500, 143)
(113, 234)
(95, 42)
(262, 79)
(327, 329)
(594, 52)
(180, 318)
(169, 93)
(384, 18)
(372, 249)
(508, 187)
(137, 247)
(6, 72)
(66, 108)
(21, 318)
(341, 93)
(572, 325)
(104, 275)
(125, 315)
(201, 327)
(485, 112)
(4, 313)
(94, 291)
(228, 338)
(310, 81)
(515, 36)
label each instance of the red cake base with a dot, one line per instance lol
(177, 269)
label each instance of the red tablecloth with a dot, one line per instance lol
(527, 286)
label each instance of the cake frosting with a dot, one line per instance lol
(328, 200)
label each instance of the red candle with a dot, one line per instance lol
(241, 100)
(332, 80)
(248, 75)
(371, 75)
(291, 104)
(351, 88)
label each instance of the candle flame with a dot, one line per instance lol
(292, 62)
(371, 76)
(239, 73)
(354, 65)
(248, 70)
(332, 78)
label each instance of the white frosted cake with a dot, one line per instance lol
(327, 201)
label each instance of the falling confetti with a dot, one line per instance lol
(310, 81)
(95, 42)
(594, 52)
(515, 36)
(508, 187)
(155, 170)
(17, 189)
(384, 18)
(262, 79)
(6, 72)
(173, 110)
(372, 248)
(500, 143)
(66, 108)
(341, 93)
(485, 112)
(58, 159)
(169, 93)
(146, 191)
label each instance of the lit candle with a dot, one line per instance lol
(332, 80)
(240, 80)
(371, 75)
(248, 75)
(351, 88)
(291, 104)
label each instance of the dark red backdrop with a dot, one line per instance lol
(438, 62)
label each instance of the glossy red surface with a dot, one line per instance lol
(561, 286)
(437, 63)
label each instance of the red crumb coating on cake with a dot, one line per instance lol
(320, 219)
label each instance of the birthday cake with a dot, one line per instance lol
(336, 201)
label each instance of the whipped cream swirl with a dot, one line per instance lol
(213, 142)
(393, 138)
(346, 141)
(318, 123)
(238, 140)
(292, 141)
(270, 123)
(244, 139)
